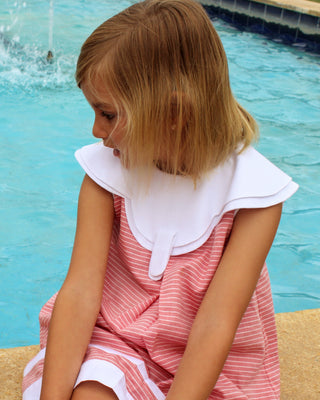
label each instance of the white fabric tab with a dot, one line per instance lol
(161, 253)
(174, 217)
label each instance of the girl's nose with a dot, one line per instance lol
(98, 131)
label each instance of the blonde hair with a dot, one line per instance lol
(163, 61)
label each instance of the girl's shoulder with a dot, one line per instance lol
(173, 216)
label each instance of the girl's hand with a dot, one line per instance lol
(225, 302)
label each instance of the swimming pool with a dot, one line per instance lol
(44, 118)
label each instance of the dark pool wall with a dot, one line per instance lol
(287, 25)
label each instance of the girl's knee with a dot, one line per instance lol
(92, 390)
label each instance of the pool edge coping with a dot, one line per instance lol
(295, 22)
(300, 6)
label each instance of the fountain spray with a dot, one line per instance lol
(50, 53)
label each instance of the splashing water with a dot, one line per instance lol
(23, 50)
(25, 67)
(27, 33)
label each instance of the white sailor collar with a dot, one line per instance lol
(173, 217)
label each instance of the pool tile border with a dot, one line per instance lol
(294, 22)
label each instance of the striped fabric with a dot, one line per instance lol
(143, 325)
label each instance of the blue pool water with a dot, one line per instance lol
(44, 119)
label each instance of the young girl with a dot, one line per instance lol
(167, 295)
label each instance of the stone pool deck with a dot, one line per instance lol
(303, 6)
(299, 348)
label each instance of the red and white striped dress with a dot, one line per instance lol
(143, 325)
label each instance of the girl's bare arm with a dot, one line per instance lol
(78, 302)
(225, 302)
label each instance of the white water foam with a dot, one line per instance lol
(26, 66)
